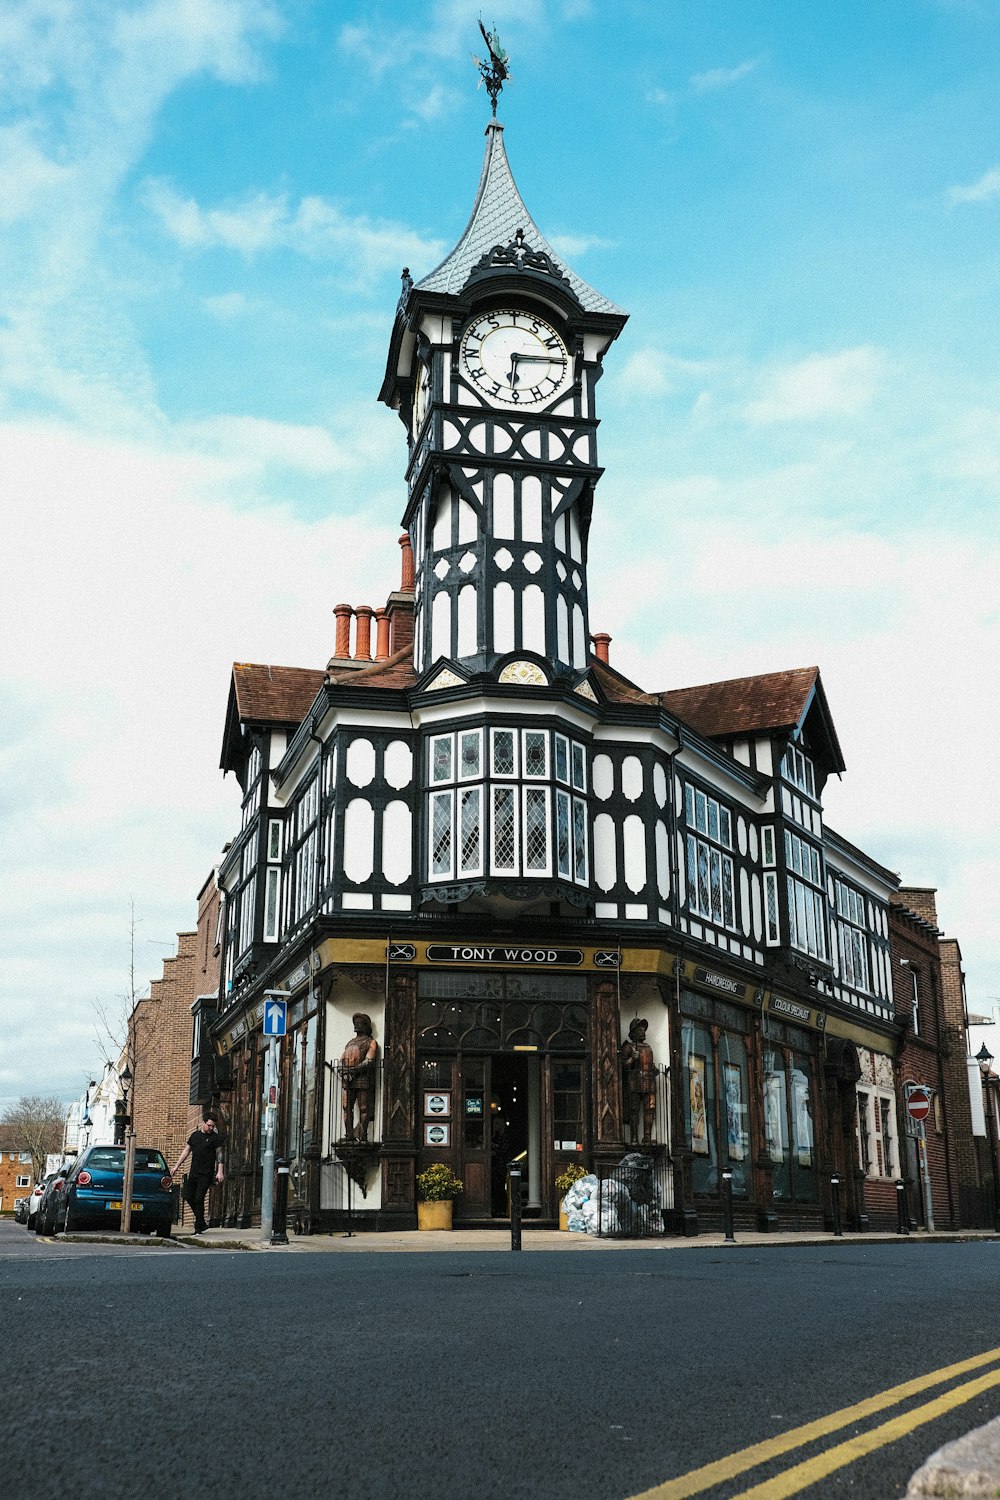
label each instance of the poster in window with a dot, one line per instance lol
(437, 1133)
(699, 1119)
(803, 1118)
(436, 1103)
(774, 1108)
(734, 1111)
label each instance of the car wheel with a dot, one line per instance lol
(164, 1230)
(70, 1221)
(30, 1221)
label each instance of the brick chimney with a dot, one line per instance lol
(601, 642)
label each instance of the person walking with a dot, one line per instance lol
(204, 1147)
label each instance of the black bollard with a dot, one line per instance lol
(727, 1204)
(514, 1171)
(835, 1200)
(278, 1235)
(901, 1214)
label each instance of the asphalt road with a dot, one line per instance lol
(172, 1372)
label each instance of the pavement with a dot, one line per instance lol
(970, 1466)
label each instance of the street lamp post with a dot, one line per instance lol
(128, 1176)
(984, 1057)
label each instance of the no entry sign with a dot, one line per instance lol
(918, 1102)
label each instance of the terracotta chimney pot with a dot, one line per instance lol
(408, 576)
(601, 643)
(381, 635)
(342, 642)
(363, 634)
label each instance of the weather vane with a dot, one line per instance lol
(495, 72)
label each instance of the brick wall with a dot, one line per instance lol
(161, 1037)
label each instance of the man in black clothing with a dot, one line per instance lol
(204, 1146)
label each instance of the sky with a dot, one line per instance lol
(205, 206)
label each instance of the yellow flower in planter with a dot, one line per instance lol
(438, 1183)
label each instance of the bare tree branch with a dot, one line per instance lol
(36, 1126)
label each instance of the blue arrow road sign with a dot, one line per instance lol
(274, 1017)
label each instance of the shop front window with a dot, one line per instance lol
(789, 1135)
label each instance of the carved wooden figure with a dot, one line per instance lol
(357, 1071)
(640, 1081)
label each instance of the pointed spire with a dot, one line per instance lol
(497, 217)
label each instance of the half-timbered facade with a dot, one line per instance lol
(476, 832)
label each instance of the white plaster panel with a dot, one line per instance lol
(503, 617)
(468, 523)
(562, 626)
(603, 777)
(468, 639)
(361, 762)
(397, 903)
(441, 625)
(398, 764)
(745, 921)
(636, 912)
(356, 901)
(660, 784)
(397, 843)
(634, 852)
(741, 835)
(632, 778)
(662, 859)
(757, 906)
(531, 508)
(532, 443)
(579, 643)
(441, 535)
(503, 506)
(754, 843)
(359, 840)
(605, 858)
(765, 760)
(605, 909)
(533, 619)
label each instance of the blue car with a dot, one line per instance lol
(91, 1196)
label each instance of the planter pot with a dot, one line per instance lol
(563, 1219)
(435, 1215)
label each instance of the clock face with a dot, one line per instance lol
(515, 358)
(421, 397)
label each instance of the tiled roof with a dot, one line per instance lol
(497, 215)
(745, 705)
(275, 695)
(395, 672)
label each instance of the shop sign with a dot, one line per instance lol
(793, 1011)
(721, 983)
(473, 954)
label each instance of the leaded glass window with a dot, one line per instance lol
(536, 745)
(441, 837)
(504, 830)
(563, 834)
(472, 850)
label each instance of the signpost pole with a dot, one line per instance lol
(918, 1107)
(926, 1175)
(270, 1107)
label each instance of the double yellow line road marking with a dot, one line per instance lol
(792, 1481)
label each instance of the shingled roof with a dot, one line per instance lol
(768, 703)
(274, 695)
(497, 215)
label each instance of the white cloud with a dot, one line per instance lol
(572, 245)
(262, 223)
(822, 385)
(987, 187)
(252, 444)
(715, 79)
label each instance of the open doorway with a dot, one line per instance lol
(508, 1124)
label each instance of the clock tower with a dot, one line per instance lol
(493, 367)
